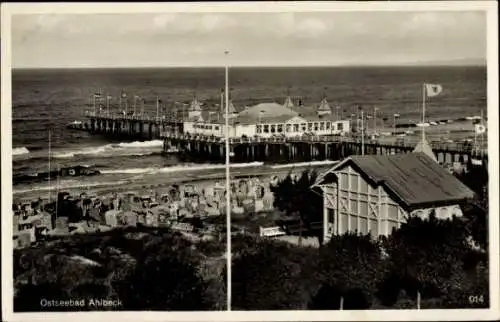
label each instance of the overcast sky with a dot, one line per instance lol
(254, 39)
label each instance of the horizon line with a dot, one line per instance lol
(257, 66)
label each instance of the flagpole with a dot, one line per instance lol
(475, 141)
(481, 138)
(228, 197)
(157, 106)
(362, 133)
(423, 112)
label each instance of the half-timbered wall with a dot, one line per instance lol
(353, 205)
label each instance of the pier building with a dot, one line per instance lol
(270, 120)
(270, 131)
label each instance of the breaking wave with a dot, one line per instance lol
(20, 151)
(171, 169)
(127, 148)
(304, 164)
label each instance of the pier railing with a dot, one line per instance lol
(133, 117)
(444, 146)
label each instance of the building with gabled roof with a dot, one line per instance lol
(377, 193)
(267, 120)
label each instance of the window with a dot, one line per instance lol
(354, 206)
(280, 128)
(392, 212)
(289, 128)
(303, 126)
(309, 126)
(354, 224)
(316, 126)
(363, 226)
(216, 128)
(340, 126)
(344, 223)
(373, 228)
(273, 128)
(295, 127)
(363, 186)
(363, 208)
(344, 181)
(331, 215)
(354, 182)
(328, 125)
(266, 128)
(259, 128)
(322, 126)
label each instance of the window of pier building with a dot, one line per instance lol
(316, 126)
(303, 126)
(266, 128)
(259, 128)
(280, 128)
(273, 128)
(340, 126)
(322, 126)
(288, 128)
(295, 127)
(216, 128)
(309, 126)
(328, 125)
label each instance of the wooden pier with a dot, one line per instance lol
(276, 149)
(302, 149)
(129, 126)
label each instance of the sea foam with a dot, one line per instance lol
(125, 148)
(180, 168)
(20, 151)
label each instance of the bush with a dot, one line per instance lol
(271, 276)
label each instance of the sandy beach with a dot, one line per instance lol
(147, 183)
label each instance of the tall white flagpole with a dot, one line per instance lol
(49, 163)
(423, 112)
(157, 106)
(362, 133)
(228, 192)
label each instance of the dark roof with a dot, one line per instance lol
(413, 179)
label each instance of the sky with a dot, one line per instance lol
(253, 39)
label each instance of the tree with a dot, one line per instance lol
(350, 268)
(426, 257)
(164, 279)
(295, 197)
(271, 276)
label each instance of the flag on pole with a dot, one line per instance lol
(124, 94)
(480, 128)
(433, 89)
(396, 115)
(109, 97)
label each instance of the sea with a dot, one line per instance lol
(45, 100)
